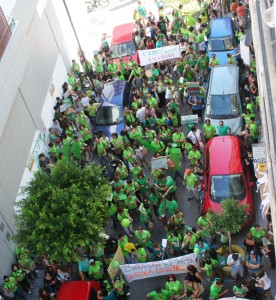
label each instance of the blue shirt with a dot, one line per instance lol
(198, 106)
(253, 262)
(201, 250)
(152, 33)
(83, 265)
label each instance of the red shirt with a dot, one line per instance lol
(241, 10)
(234, 7)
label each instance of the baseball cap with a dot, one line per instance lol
(188, 171)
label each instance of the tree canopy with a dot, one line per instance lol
(64, 210)
(230, 219)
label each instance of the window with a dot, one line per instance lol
(125, 49)
(221, 44)
(223, 106)
(109, 115)
(5, 33)
(224, 187)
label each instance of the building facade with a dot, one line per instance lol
(33, 66)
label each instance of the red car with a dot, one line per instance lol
(226, 174)
(123, 44)
(79, 290)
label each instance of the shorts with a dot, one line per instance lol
(203, 73)
(197, 112)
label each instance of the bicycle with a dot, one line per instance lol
(95, 4)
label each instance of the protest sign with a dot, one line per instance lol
(151, 56)
(158, 268)
(189, 119)
(119, 257)
(159, 163)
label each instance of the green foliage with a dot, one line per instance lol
(63, 211)
(231, 218)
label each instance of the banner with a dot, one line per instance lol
(151, 56)
(159, 163)
(158, 268)
(119, 257)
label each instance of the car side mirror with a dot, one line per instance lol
(251, 184)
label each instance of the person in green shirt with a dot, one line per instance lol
(92, 109)
(214, 61)
(20, 278)
(131, 204)
(239, 290)
(122, 241)
(143, 237)
(11, 288)
(209, 130)
(258, 233)
(160, 294)
(223, 129)
(82, 119)
(95, 270)
(202, 65)
(136, 72)
(150, 134)
(158, 146)
(191, 184)
(119, 289)
(112, 67)
(77, 149)
(122, 66)
(250, 105)
(203, 221)
(101, 150)
(247, 115)
(145, 213)
(122, 171)
(135, 170)
(194, 154)
(173, 285)
(151, 101)
(129, 154)
(231, 59)
(174, 118)
(171, 205)
(216, 289)
(254, 130)
(166, 185)
(179, 138)
(112, 212)
(98, 64)
(75, 68)
(122, 215)
(141, 254)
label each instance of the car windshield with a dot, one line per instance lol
(227, 187)
(109, 115)
(124, 49)
(223, 106)
(221, 44)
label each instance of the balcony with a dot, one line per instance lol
(5, 33)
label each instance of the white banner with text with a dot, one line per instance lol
(158, 54)
(158, 268)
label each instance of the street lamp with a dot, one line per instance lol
(88, 72)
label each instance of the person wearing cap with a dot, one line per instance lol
(83, 266)
(191, 182)
(95, 270)
(214, 61)
(235, 261)
(253, 263)
(223, 129)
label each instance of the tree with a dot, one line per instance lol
(64, 210)
(230, 219)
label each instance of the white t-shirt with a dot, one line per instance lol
(195, 136)
(140, 114)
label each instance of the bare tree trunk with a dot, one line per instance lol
(230, 241)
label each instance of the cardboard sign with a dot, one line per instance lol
(119, 256)
(189, 119)
(159, 163)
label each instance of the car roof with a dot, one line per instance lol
(122, 33)
(224, 155)
(112, 94)
(224, 80)
(221, 27)
(77, 290)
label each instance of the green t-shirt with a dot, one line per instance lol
(129, 155)
(142, 237)
(152, 102)
(190, 180)
(240, 291)
(95, 270)
(153, 199)
(134, 171)
(202, 222)
(202, 63)
(254, 130)
(251, 106)
(122, 243)
(142, 255)
(11, 284)
(172, 205)
(174, 287)
(157, 146)
(119, 286)
(122, 172)
(215, 291)
(112, 68)
(178, 137)
(193, 155)
(247, 118)
(170, 182)
(223, 130)
(131, 202)
(209, 130)
(165, 295)
(112, 209)
(258, 234)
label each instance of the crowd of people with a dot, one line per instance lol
(159, 95)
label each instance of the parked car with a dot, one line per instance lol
(222, 39)
(81, 290)
(114, 98)
(224, 97)
(226, 174)
(123, 44)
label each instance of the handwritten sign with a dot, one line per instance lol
(158, 54)
(192, 88)
(119, 257)
(259, 155)
(159, 163)
(189, 119)
(134, 272)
